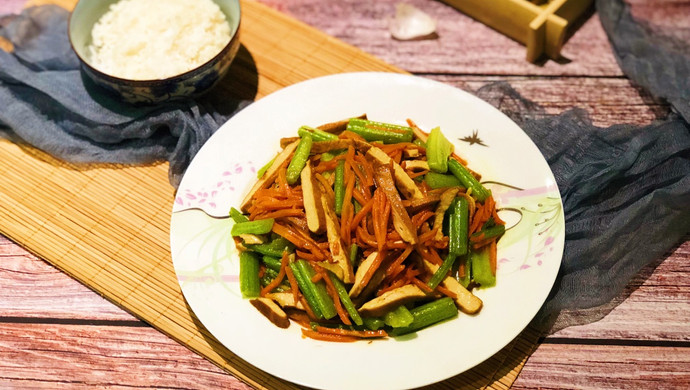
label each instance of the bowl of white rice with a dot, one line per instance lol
(154, 51)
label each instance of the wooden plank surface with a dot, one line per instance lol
(48, 321)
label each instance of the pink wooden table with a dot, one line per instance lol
(56, 333)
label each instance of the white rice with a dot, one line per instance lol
(154, 39)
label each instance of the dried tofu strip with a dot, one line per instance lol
(406, 185)
(270, 175)
(341, 266)
(401, 219)
(446, 199)
(391, 299)
(465, 300)
(311, 195)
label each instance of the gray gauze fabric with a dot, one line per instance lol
(45, 102)
(625, 188)
(626, 198)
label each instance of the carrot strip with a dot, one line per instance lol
(384, 219)
(307, 256)
(308, 309)
(423, 286)
(362, 213)
(289, 235)
(446, 292)
(364, 238)
(428, 236)
(376, 214)
(317, 276)
(374, 266)
(280, 214)
(330, 288)
(359, 196)
(293, 283)
(368, 169)
(327, 337)
(398, 261)
(412, 175)
(352, 333)
(278, 279)
(397, 283)
(347, 208)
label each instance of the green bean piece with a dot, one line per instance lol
(479, 192)
(339, 186)
(419, 142)
(481, 267)
(428, 314)
(262, 170)
(490, 232)
(378, 131)
(316, 134)
(307, 288)
(373, 323)
(354, 255)
(321, 297)
(441, 180)
(299, 159)
(237, 216)
(467, 277)
(250, 286)
(274, 248)
(345, 299)
(438, 149)
(272, 263)
(458, 226)
(259, 226)
(442, 271)
(399, 317)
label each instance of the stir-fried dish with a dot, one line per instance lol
(360, 229)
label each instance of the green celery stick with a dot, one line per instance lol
(274, 248)
(249, 275)
(373, 323)
(345, 299)
(399, 317)
(237, 216)
(479, 192)
(458, 226)
(339, 186)
(378, 131)
(265, 168)
(428, 314)
(490, 232)
(481, 269)
(316, 134)
(438, 149)
(259, 226)
(272, 262)
(440, 180)
(320, 295)
(299, 159)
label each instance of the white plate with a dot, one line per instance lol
(529, 254)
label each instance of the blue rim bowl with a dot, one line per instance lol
(190, 84)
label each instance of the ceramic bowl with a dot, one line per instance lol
(192, 83)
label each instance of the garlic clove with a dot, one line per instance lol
(411, 23)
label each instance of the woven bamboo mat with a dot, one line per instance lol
(107, 226)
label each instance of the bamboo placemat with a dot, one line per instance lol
(107, 226)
